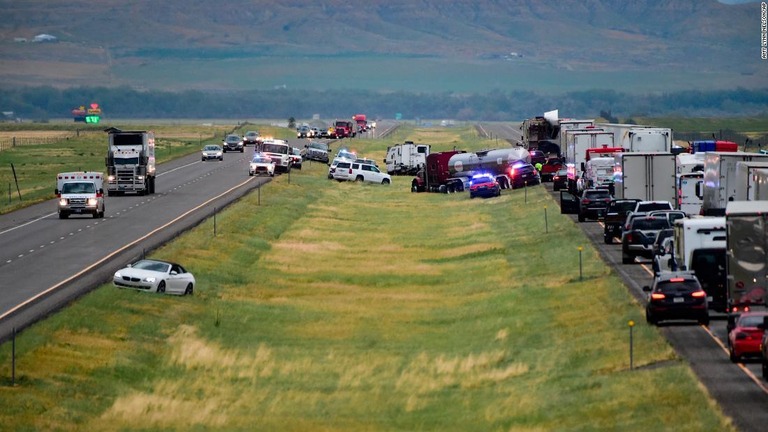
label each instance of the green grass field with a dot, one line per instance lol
(345, 306)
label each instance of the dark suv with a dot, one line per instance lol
(676, 296)
(615, 216)
(523, 174)
(637, 239)
(593, 203)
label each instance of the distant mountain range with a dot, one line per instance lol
(164, 44)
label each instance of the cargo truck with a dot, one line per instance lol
(578, 142)
(688, 190)
(746, 251)
(130, 162)
(699, 246)
(344, 129)
(746, 179)
(406, 158)
(644, 176)
(362, 122)
(598, 168)
(80, 193)
(720, 179)
(761, 184)
(639, 138)
(435, 176)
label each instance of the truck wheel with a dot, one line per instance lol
(607, 238)
(359, 179)
(765, 368)
(63, 215)
(581, 217)
(626, 259)
(385, 181)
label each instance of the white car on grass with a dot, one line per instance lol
(361, 171)
(261, 164)
(155, 276)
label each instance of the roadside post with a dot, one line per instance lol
(546, 224)
(631, 348)
(581, 274)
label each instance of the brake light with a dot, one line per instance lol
(629, 237)
(677, 280)
(658, 296)
(699, 294)
(585, 201)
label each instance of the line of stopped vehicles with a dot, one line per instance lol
(698, 213)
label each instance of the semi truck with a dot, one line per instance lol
(435, 176)
(689, 186)
(80, 193)
(279, 151)
(406, 158)
(578, 142)
(362, 122)
(344, 129)
(639, 138)
(746, 251)
(720, 179)
(699, 245)
(130, 162)
(646, 176)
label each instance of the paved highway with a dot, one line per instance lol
(45, 262)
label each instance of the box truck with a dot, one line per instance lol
(645, 176)
(720, 179)
(747, 253)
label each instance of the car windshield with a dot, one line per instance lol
(650, 224)
(597, 194)
(211, 148)
(275, 148)
(654, 206)
(233, 138)
(317, 146)
(750, 320)
(152, 266)
(73, 188)
(251, 134)
(347, 155)
(261, 159)
(685, 286)
(622, 206)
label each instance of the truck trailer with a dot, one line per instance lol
(639, 138)
(746, 179)
(578, 142)
(747, 254)
(435, 176)
(130, 162)
(644, 176)
(720, 179)
(406, 158)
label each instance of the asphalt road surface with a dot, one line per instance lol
(45, 262)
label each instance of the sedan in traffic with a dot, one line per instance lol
(155, 276)
(745, 337)
(560, 180)
(212, 151)
(676, 296)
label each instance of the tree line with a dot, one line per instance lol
(42, 103)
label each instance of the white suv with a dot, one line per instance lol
(358, 171)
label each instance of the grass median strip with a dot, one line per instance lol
(345, 306)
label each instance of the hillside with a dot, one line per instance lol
(129, 43)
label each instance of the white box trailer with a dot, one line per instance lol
(747, 253)
(406, 158)
(645, 176)
(639, 138)
(699, 246)
(572, 125)
(576, 155)
(761, 184)
(745, 179)
(720, 179)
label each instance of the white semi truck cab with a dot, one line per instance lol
(130, 162)
(80, 193)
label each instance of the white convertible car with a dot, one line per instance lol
(155, 276)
